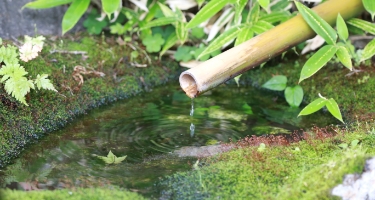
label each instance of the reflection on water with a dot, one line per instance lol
(149, 129)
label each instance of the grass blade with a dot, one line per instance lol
(314, 106)
(262, 26)
(245, 34)
(317, 61)
(158, 22)
(209, 10)
(320, 26)
(362, 24)
(334, 109)
(171, 40)
(43, 4)
(344, 57)
(342, 30)
(368, 51)
(73, 14)
(222, 40)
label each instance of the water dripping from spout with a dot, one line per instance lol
(192, 126)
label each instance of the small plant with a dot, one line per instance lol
(261, 147)
(293, 95)
(13, 74)
(111, 158)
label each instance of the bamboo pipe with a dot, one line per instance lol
(261, 48)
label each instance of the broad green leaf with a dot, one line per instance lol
(181, 31)
(320, 26)
(368, 51)
(111, 158)
(171, 40)
(343, 145)
(362, 24)
(334, 109)
(227, 36)
(245, 34)
(253, 15)
(153, 42)
(43, 4)
(239, 6)
(342, 30)
(280, 5)
(209, 10)
(159, 22)
(73, 14)
(355, 30)
(354, 143)
(277, 83)
(180, 16)
(314, 106)
(152, 10)
(344, 57)
(317, 61)
(166, 11)
(294, 95)
(261, 26)
(264, 3)
(110, 6)
(370, 7)
(276, 17)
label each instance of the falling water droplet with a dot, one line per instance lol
(192, 107)
(192, 129)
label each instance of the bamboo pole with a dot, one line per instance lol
(261, 48)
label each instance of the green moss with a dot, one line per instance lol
(79, 193)
(279, 172)
(49, 111)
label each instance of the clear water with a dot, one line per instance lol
(149, 129)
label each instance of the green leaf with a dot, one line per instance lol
(153, 42)
(93, 25)
(73, 14)
(42, 81)
(343, 145)
(320, 26)
(209, 10)
(277, 83)
(43, 4)
(159, 22)
(171, 40)
(166, 11)
(183, 54)
(370, 7)
(317, 61)
(261, 26)
(198, 32)
(368, 51)
(276, 17)
(247, 109)
(264, 3)
(253, 15)
(342, 30)
(314, 106)
(362, 24)
(334, 109)
(245, 34)
(198, 51)
(181, 32)
(344, 57)
(239, 6)
(224, 38)
(110, 6)
(111, 158)
(294, 95)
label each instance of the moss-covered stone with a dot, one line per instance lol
(78, 193)
(22, 125)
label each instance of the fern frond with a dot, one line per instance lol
(42, 81)
(8, 55)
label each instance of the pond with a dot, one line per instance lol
(157, 134)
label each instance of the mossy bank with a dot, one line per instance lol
(87, 72)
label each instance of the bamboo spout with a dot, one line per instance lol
(261, 48)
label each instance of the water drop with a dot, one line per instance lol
(192, 107)
(192, 129)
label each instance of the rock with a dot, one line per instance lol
(203, 151)
(16, 22)
(357, 186)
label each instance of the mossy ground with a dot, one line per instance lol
(22, 125)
